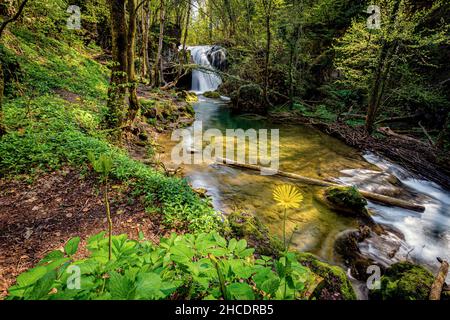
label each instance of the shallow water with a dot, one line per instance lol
(420, 237)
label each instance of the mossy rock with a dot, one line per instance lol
(249, 227)
(348, 197)
(212, 94)
(249, 99)
(404, 281)
(347, 201)
(189, 97)
(335, 284)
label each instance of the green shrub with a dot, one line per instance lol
(205, 266)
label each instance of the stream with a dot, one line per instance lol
(419, 237)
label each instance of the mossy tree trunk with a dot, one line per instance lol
(145, 39)
(2, 85)
(131, 52)
(119, 78)
(158, 67)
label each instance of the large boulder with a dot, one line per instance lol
(404, 281)
(249, 99)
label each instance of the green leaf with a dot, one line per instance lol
(240, 291)
(54, 255)
(232, 244)
(120, 286)
(241, 245)
(246, 253)
(148, 286)
(271, 285)
(71, 246)
(31, 276)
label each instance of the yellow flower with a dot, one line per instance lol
(287, 196)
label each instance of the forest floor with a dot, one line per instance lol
(40, 217)
(417, 156)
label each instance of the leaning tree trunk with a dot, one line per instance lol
(158, 67)
(131, 70)
(119, 78)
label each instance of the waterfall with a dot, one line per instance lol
(203, 81)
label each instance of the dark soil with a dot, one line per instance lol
(40, 217)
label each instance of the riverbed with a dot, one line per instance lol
(419, 237)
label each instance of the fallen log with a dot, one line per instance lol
(322, 183)
(439, 281)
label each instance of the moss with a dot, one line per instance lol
(347, 200)
(404, 281)
(335, 285)
(247, 226)
(347, 197)
(189, 97)
(249, 99)
(212, 94)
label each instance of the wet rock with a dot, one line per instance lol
(201, 192)
(212, 94)
(349, 202)
(335, 284)
(346, 247)
(404, 281)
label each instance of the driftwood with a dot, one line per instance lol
(322, 183)
(388, 132)
(439, 281)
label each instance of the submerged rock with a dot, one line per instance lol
(335, 284)
(404, 281)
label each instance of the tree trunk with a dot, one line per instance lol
(266, 64)
(436, 288)
(117, 89)
(145, 40)
(2, 86)
(381, 74)
(131, 70)
(158, 67)
(322, 183)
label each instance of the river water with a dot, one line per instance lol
(419, 237)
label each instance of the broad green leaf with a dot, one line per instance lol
(31, 276)
(240, 291)
(71, 246)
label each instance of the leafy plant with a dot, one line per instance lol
(203, 266)
(103, 166)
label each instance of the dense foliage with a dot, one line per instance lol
(205, 266)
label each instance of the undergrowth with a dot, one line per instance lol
(47, 129)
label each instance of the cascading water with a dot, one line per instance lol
(203, 80)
